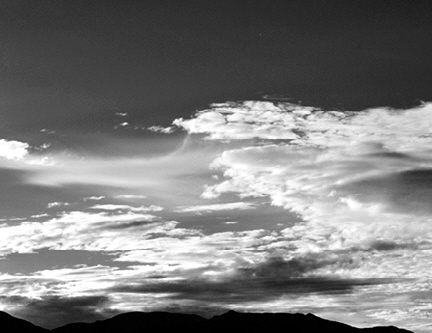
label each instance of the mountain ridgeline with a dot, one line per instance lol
(140, 322)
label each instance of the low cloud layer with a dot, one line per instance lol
(53, 311)
(271, 279)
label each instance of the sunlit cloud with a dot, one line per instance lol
(217, 207)
(359, 180)
(77, 230)
(247, 120)
(97, 198)
(160, 129)
(346, 173)
(57, 204)
(130, 196)
(13, 150)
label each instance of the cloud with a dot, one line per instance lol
(387, 129)
(247, 120)
(80, 231)
(358, 184)
(277, 267)
(130, 196)
(358, 181)
(103, 217)
(57, 204)
(354, 177)
(217, 207)
(54, 311)
(171, 177)
(13, 150)
(160, 129)
(271, 279)
(142, 209)
(21, 155)
(407, 191)
(123, 124)
(100, 197)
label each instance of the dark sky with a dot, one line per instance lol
(67, 63)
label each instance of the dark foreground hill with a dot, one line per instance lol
(134, 322)
(9, 324)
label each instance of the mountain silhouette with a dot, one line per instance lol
(134, 322)
(9, 324)
(286, 322)
(232, 321)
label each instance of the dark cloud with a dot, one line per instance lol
(127, 225)
(277, 267)
(270, 279)
(55, 311)
(235, 291)
(386, 245)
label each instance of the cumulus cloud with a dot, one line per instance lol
(13, 150)
(382, 130)
(247, 120)
(359, 175)
(359, 181)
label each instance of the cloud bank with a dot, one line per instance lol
(355, 186)
(355, 177)
(360, 180)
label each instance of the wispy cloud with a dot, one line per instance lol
(100, 197)
(77, 230)
(160, 129)
(217, 207)
(130, 196)
(152, 208)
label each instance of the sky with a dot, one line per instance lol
(199, 156)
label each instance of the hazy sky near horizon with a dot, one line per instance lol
(200, 156)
